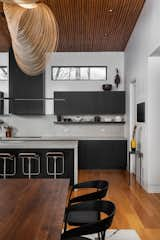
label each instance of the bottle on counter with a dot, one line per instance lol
(9, 132)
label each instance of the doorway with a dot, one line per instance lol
(133, 115)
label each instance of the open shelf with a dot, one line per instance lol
(90, 122)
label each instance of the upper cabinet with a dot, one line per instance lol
(26, 92)
(84, 103)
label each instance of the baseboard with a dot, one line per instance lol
(152, 188)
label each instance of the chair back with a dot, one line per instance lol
(100, 190)
(106, 207)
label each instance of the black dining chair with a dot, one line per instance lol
(93, 227)
(99, 191)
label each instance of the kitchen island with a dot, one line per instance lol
(42, 145)
(80, 152)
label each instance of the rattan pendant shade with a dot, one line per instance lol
(34, 32)
(19, 1)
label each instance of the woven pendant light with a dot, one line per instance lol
(34, 32)
(20, 1)
(23, 3)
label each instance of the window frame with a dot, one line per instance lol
(64, 66)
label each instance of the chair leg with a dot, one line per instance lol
(99, 236)
(103, 235)
(65, 221)
(65, 226)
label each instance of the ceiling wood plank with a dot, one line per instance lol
(94, 25)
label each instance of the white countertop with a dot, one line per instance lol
(61, 138)
(59, 142)
(30, 143)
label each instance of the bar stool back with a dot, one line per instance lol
(30, 158)
(7, 157)
(54, 157)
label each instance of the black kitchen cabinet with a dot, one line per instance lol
(68, 164)
(103, 154)
(1, 103)
(22, 86)
(81, 103)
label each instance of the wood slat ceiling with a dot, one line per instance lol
(89, 25)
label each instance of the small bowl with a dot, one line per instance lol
(107, 87)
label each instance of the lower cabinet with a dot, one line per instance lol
(103, 154)
(68, 164)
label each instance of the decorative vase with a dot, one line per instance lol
(133, 145)
(133, 140)
(117, 78)
(107, 87)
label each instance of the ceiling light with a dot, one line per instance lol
(28, 5)
(110, 10)
(31, 44)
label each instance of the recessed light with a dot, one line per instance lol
(110, 10)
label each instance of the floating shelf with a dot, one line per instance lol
(90, 123)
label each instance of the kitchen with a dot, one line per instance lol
(79, 122)
(42, 129)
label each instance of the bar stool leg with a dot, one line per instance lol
(47, 166)
(23, 165)
(55, 167)
(29, 166)
(4, 168)
(15, 165)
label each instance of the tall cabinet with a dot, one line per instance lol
(26, 92)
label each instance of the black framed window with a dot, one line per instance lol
(76, 73)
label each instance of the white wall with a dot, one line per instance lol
(143, 42)
(153, 129)
(111, 60)
(43, 125)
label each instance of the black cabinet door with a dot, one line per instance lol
(22, 86)
(103, 154)
(89, 103)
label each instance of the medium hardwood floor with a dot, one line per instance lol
(136, 209)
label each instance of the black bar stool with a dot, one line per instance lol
(8, 157)
(54, 157)
(30, 158)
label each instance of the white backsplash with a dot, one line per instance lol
(45, 126)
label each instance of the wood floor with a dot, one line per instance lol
(136, 209)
